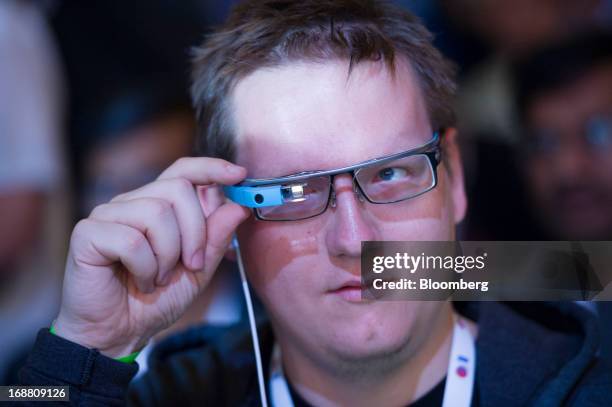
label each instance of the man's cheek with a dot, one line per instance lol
(423, 207)
(268, 249)
(429, 218)
(423, 229)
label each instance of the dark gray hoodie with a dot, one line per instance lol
(534, 354)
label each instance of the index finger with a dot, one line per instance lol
(205, 171)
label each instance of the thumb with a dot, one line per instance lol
(220, 228)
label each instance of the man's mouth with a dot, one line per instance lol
(349, 291)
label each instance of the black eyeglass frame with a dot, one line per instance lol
(431, 149)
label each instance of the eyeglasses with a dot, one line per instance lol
(595, 135)
(383, 180)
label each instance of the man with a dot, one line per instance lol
(565, 97)
(283, 88)
(564, 92)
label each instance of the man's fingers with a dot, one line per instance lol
(177, 185)
(99, 243)
(153, 217)
(181, 194)
(221, 226)
(204, 171)
(211, 197)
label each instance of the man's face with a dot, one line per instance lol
(307, 116)
(569, 171)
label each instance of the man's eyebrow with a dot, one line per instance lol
(417, 143)
(433, 142)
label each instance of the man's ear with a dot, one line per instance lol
(451, 157)
(211, 197)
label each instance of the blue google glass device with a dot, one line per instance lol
(260, 193)
(262, 196)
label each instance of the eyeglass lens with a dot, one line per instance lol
(389, 182)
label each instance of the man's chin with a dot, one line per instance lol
(369, 333)
(359, 351)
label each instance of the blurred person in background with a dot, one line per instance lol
(564, 96)
(138, 130)
(496, 33)
(34, 203)
(510, 29)
(127, 69)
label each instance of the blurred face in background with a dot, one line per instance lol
(136, 156)
(313, 116)
(569, 168)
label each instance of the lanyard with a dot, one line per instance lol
(459, 375)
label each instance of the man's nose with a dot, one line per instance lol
(572, 163)
(351, 223)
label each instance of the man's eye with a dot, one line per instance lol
(599, 133)
(392, 174)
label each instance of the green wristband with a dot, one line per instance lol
(129, 358)
(123, 359)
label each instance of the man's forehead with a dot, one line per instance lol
(311, 116)
(290, 159)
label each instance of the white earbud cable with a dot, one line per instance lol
(249, 304)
